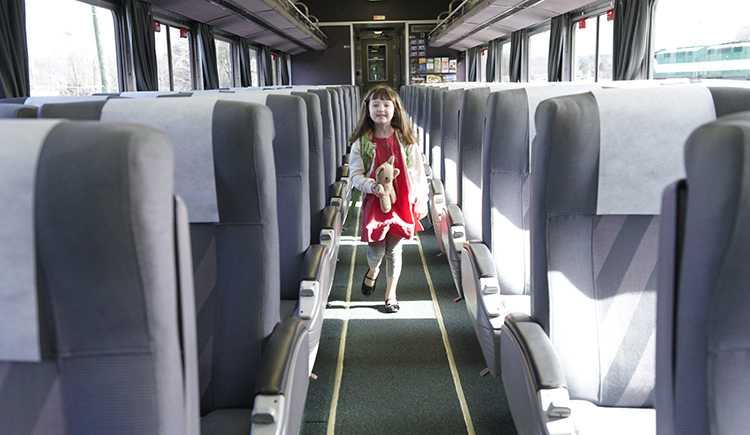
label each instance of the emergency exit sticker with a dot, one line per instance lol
(378, 17)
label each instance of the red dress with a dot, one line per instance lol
(400, 220)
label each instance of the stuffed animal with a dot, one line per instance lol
(384, 176)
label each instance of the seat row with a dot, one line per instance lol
(553, 243)
(241, 162)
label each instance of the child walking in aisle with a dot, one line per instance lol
(383, 132)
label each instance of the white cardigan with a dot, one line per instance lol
(419, 193)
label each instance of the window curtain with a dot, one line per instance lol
(284, 63)
(516, 55)
(555, 56)
(493, 54)
(144, 46)
(14, 56)
(267, 64)
(631, 39)
(472, 64)
(207, 47)
(245, 67)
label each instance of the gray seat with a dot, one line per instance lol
(584, 363)
(495, 266)
(457, 225)
(10, 111)
(226, 172)
(97, 314)
(703, 381)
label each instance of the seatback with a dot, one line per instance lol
(506, 149)
(11, 110)
(225, 172)
(316, 162)
(599, 164)
(91, 290)
(434, 152)
(329, 138)
(449, 113)
(707, 380)
(471, 125)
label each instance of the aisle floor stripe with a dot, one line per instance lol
(342, 343)
(446, 342)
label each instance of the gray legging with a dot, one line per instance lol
(392, 248)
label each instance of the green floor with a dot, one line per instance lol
(396, 376)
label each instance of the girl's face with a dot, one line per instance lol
(381, 111)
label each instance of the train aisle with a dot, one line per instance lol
(411, 372)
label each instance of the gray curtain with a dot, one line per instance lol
(493, 54)
(14, 57)
(471, 65)
(555, 57)
(207, 47)
(267, 65)
(245, 67)
(631, 39)
(283, 61)
(516, 55)
(144, 45)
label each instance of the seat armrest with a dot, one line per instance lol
(436, 187)
(537, 349)
(315, 267)
(330, 228)
(427, 170)
(454, 225)
(343, 172)
(328, 218)
(533, 378)
(280, 356)
(455, 215)
(481, 258)
(337, 191)
(283, 380)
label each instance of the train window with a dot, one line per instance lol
(225, 64)
(72, 48)
(606, 47)
(254, 67)
(505, 62)
(173, 58)
(584, 50)
(592, 49)
(538, 53)
(694, 41)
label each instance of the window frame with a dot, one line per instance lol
(545, 26)
(233, 55)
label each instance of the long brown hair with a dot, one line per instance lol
(400, 119)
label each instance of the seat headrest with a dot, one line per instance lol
(643, 133)
(20, 331)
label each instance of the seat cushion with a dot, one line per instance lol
(596, 420)
(227, 422)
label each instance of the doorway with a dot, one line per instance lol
(379, 54)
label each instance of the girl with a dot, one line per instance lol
(384, 131)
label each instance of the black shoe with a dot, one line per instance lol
(367, 289)
(393, 307)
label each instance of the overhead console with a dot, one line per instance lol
(275, 23)
(477, 21)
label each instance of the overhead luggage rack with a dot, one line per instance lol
(278, 24)
(477, 21)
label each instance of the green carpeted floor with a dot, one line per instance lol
(395, 375)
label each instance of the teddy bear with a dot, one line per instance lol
(384, 176)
